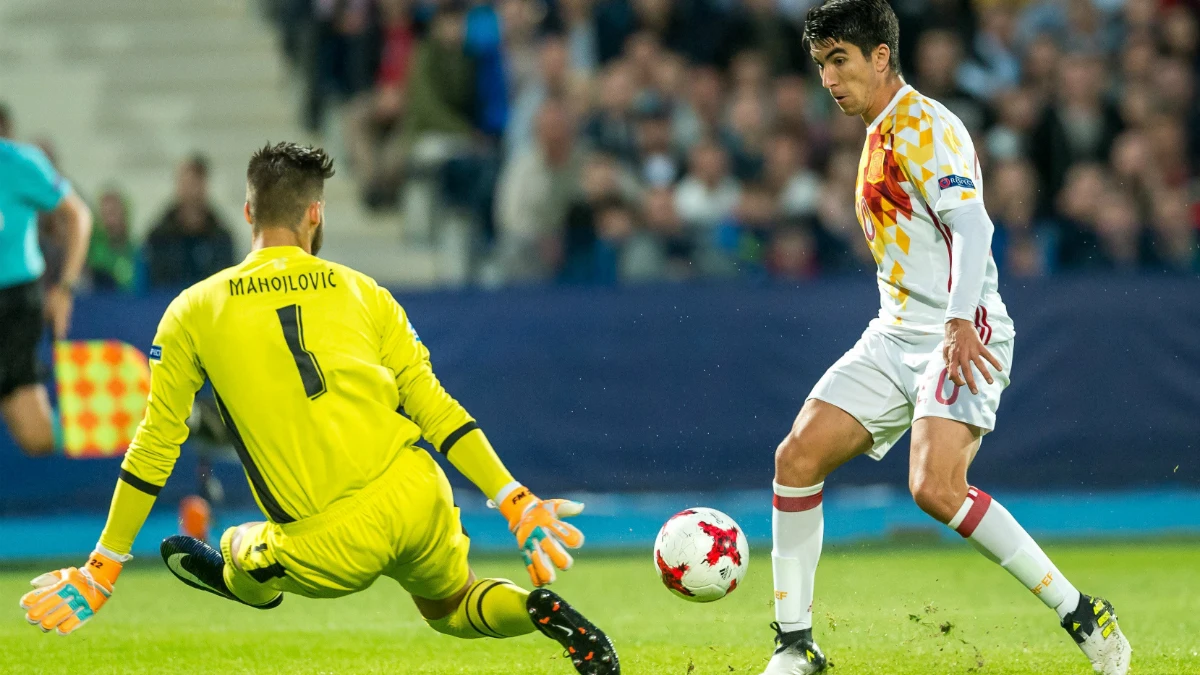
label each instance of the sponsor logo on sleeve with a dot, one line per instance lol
(414, 332)
(947, 182)
(155, 353)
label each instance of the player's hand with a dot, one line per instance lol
(58, 305)
(963, 349)
(67, 599)
(541, 532)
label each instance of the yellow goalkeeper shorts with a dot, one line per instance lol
(404, 525)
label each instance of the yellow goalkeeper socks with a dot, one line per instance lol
(492, 608)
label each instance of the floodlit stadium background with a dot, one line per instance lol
(626, 232)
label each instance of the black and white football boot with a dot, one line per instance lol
(796, 654)
(590, 650)
(1093, 626)
(201, 566)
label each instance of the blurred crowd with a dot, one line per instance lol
(607, 140)
(187, 241)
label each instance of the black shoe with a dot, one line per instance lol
(590, 650)
(1093, 626)
(796, 654)
(201, 566)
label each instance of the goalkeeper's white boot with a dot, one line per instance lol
(796, 654)
(1093, 626)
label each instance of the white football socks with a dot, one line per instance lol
(797, 528)
(992, 529)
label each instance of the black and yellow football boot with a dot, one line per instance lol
(796, 654)
(1093, 626)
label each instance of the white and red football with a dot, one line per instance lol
(701, 554)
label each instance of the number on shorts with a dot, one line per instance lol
(306, 362)
(942, 385)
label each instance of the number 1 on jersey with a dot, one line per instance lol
(306, 361)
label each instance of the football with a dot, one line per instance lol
(701, 554)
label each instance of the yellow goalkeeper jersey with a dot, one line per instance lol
(311, 363)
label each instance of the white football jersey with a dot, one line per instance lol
(918, 162)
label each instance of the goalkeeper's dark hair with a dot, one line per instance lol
(283, 179)
(866, 24)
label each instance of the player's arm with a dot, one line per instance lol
(175, 376)
(79, 233)
(972, 245)
(443, 420)
(954, 194)
(537, 524)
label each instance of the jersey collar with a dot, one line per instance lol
(272, 252)
(891, 104)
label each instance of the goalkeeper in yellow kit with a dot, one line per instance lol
(312, 365)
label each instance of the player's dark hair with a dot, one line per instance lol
(866, 24)
(283, 179)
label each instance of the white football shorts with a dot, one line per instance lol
(886, 382)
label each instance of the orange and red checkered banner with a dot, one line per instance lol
(102, 388)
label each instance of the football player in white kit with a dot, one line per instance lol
(936, 359)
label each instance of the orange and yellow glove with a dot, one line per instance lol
(540, 530)
(67, 599)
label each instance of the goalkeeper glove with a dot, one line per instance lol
(66, 599)
(541, 533)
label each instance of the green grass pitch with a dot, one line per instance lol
(893, 611)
